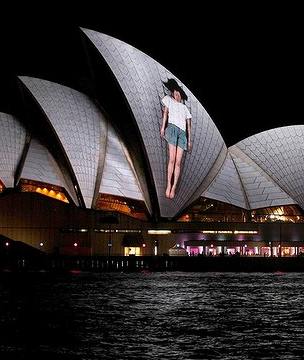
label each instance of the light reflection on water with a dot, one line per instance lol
(152, 316)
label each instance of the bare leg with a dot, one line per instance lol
(178, 159)
(172, 155)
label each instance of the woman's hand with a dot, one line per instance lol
(162, 132)
(189, 145)
(165, 116)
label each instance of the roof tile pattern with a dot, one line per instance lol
(12, 141)
(40, 165)
(118, 176)
(77, 123)
(260, 189)
(227, 186)
(140, 78)
(279, 153)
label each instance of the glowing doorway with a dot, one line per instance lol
(132, 250)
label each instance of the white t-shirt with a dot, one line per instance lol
(178, 112)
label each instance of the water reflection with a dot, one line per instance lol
(152, 316)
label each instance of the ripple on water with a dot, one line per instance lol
(152, 316)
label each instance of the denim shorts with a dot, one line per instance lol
(176, 136)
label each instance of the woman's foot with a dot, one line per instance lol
(172, 192)
(168, 190)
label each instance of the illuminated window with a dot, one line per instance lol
(217, 231)
(286, 213)
(1, 186)
(159, 232)
(131, 207)
(206, 210)
(246, 232)
(132, 251)
(53, 191)
(74, 230)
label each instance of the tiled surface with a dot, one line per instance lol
(140, 78)
(77, 122)
(263, 170)
(12, 141)
(118, 176)
(40, 165)
(261, 190)
(279, 153)
(227, 186)
(92, 146)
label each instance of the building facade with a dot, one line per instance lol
(85, 173)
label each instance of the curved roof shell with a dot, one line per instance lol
(98, 158)
(263, 170)
(141, 80)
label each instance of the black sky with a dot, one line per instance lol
(245, 65)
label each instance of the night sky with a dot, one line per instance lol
(245, 65)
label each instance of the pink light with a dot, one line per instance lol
(144, 245)
(75, 244)
(75, 271)
(6, 244)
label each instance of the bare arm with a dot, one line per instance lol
(189, 134)
(165, 117)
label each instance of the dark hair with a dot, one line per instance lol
(171, 84)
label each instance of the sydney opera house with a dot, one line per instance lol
(84, 173)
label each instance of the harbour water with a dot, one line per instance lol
(151, 315)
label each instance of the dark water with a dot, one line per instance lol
(152, 316)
